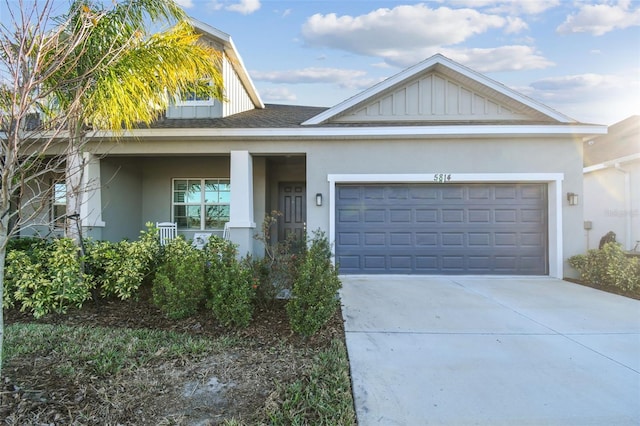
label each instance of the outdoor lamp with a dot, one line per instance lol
(572, 198)
(318, 199)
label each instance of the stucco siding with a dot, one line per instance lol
(454, 156)
(121, 198)
(608, 208)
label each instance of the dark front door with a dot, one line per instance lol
(293, 206)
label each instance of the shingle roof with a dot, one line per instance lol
(292, 116)
(271, 116)
(622, 140)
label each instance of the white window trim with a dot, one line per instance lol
(554, 186)
(202, 203)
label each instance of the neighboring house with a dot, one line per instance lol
(436, 170)
(612, 184)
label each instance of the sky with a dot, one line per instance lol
(581, 58)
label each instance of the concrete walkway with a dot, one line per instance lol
(491, 351)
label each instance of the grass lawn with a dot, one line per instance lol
(125, 363)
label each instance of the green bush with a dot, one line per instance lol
(314, 294)
(276, 272)
(231, 285)
(120, 268)
(47, 278)
(178, 285)
(608, 267)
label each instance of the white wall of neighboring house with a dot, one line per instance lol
(612, 203)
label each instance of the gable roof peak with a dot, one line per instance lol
(441, 64)
(234, 56)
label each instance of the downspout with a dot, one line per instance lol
(627, 203)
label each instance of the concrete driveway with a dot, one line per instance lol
(491, 351)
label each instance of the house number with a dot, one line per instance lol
(442, 177)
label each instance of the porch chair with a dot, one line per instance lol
(167, 231)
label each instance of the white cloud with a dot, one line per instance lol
(599, 19)
(514, 7)
(347, 79)
(278, 94)
(590, 97)
(384, 32)
(245, 7)
(185, 3)
(503, 58)
(515, 25)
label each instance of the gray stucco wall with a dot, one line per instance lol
(121, 198)
(451, 156)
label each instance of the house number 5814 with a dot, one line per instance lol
(442, 177)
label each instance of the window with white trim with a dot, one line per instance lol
(201, 204)
(59, 204)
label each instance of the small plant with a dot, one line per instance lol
(314, 294)
(120, 268)
(46, 279)
(231, 285)
(608, 267)
(277, 270)
(178, 285)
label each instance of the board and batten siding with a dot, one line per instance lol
(237, 99)
(435, 97)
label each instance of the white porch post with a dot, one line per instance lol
(91, 197)
(241, 223)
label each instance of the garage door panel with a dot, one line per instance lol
(449, 228)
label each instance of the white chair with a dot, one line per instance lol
(167, 231)
(226, 233)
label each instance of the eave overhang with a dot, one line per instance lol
(373, 132)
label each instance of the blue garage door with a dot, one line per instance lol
(442, 229)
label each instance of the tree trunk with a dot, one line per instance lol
(3, 251)
(74, 172)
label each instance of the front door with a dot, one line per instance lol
(293, 205)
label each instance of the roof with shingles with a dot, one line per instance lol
(271, 116)
(292, 116)
(622, 140)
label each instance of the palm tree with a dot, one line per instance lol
(124, 75)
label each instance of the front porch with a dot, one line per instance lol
(199, 193)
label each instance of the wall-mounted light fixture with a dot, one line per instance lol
(572, 198)
(318, 199)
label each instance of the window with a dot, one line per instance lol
(201, 204)
(59, 204)
(198, 93)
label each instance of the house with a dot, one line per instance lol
(612, 184)
(436, 170)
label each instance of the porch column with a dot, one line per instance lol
(241, 223)
(91, 197)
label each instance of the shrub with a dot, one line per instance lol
(608, 267)
(277, 270)
(178, 285)
(314, 294)
(231, 285)
(120, 268)
(47, 279)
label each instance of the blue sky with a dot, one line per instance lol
(580, 57)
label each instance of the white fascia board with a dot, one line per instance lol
(422, 66)
(234, 55)
(373, 132)
(611, 163)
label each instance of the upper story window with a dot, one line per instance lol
(198, 95)
(201, 204)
